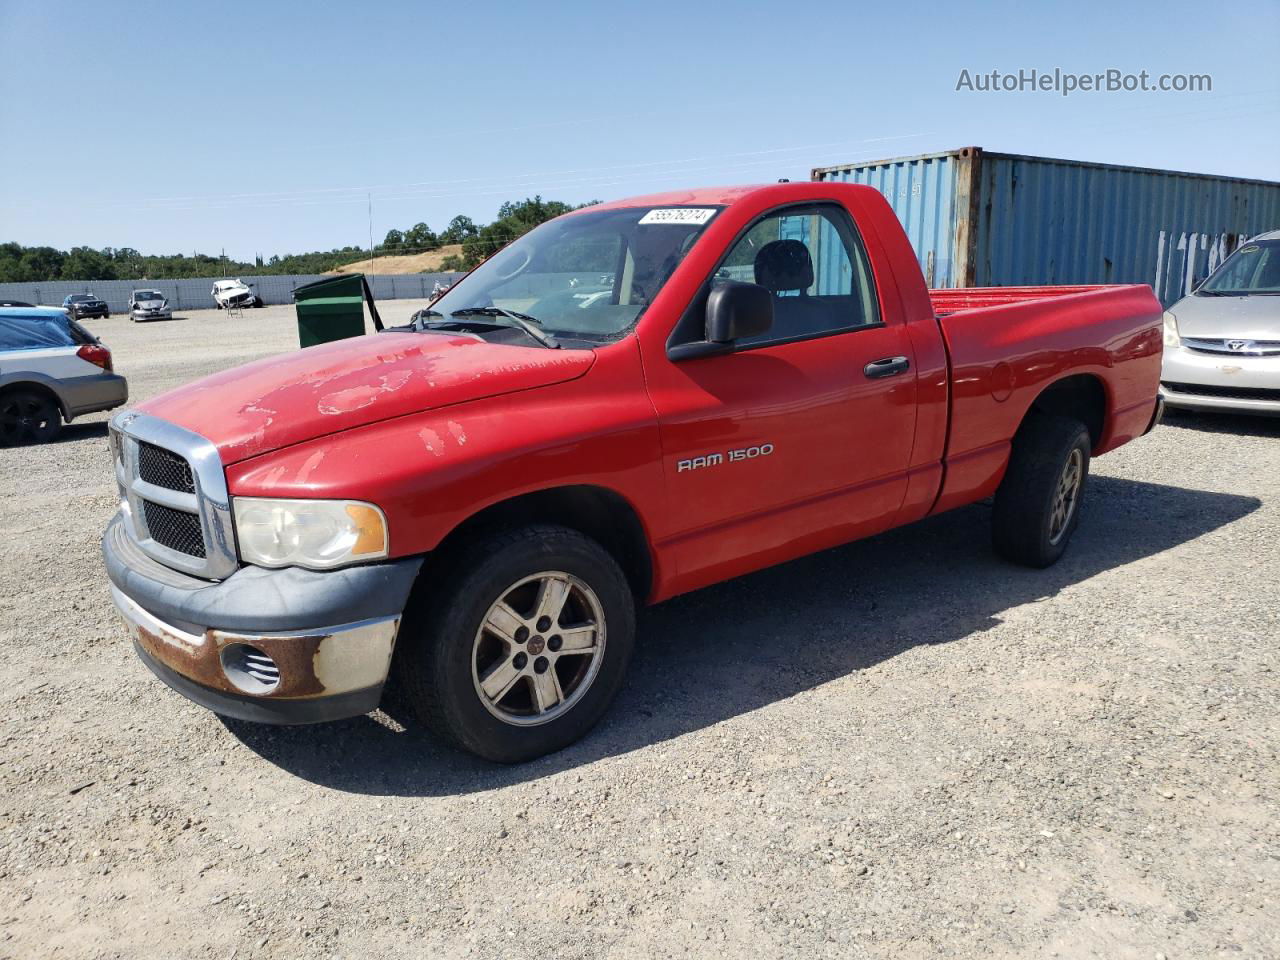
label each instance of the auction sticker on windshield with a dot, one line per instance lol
(698, 215)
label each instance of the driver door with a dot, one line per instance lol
(800, 438)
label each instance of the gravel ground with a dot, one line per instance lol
(902, 748)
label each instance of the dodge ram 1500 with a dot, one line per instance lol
(632, 401)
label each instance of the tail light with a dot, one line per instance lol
(96, 354)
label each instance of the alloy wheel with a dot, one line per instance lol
(538, 648)
(1066, 496)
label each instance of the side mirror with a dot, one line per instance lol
(737, 310)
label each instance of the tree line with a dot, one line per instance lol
(19, 264)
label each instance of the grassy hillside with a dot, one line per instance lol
(428, 262)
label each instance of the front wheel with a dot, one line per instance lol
(1037, 506)
(521, 647)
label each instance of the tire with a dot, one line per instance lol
(28, 416)
(446, 651)
(257, 302)
(1037, 506)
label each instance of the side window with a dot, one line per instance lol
(813, 263)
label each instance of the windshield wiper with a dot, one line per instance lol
(521, 321)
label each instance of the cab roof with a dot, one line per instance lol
(781, 192)
(708, 196)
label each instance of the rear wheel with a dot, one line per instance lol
(518, 651)
(27, 416)
(1037, 506)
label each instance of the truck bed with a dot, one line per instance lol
(1005, 344)
(954, 300)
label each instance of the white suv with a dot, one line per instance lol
(51, 369)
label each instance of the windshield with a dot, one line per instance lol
(148, 295)
(80, 298)
(1254, 268)
(583, 277)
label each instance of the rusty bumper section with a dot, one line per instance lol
(304, 676)
(259, 645)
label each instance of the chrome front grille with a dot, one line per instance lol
(175, 529)
(174, 492)
(165, 468)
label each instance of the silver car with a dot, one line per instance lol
(149, 305)
(1222, 343)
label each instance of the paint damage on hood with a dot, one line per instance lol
(279, 401)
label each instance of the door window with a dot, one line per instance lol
(813, 263)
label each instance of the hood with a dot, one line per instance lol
(283, 400)
(1219, 318)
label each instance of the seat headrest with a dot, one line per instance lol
(784, 265)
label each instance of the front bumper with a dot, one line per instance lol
(1218, 381)
(324, 639)
(324, 674)
(163, 314)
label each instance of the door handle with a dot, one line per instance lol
(887, 367)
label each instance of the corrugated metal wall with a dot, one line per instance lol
(193, 293)
(1036, 220)
(1052, 221)
(922, 191)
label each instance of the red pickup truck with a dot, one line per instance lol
(632, 401)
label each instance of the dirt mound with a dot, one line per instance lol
(413, 263)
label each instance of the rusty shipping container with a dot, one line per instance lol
(984, 219)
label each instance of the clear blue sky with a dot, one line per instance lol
(261, 127)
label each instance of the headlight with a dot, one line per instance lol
(319, 534)
(1171, 339)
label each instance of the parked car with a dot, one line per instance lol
(1222, 343)
(149, 305)
(477, 505)
(85, 306)
(234, 293)
(51, 370)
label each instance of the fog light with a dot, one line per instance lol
(249, 669)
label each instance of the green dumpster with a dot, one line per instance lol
(333, 309)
